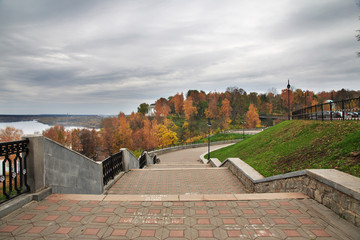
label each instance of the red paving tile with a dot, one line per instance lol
(280, 221)
(91, 231)
(100, 219)
(27, 217)
(229, 221)
(147, 233)
(305, 221)
(176, 233)
(255, 221)
(203, 221)
(206, 233)
(234, 233)
(8, 228)
(36, 229)
(75, 218)
(292, 233)
(63, 230)
(320, 233)
(263, 233)
(119, 232)
(51, 218)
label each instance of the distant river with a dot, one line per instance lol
(29, 127)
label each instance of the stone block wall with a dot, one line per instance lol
(336, 190)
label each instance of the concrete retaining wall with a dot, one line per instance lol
(334, 189)
(67, 171)
(181, 147)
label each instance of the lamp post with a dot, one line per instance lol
(288, 87)
(305, 93)
(209, 125)
(243, 129)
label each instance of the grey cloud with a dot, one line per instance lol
(114, 55)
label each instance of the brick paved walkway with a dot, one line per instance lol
(178, 199)
(179, 172)
(58, 217)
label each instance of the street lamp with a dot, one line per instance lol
(305, 93)
(243, 129)
(209, 125)
(288, 87)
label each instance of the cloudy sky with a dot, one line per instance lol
(103, 57)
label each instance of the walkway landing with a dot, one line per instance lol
(99, 217)
(177, 199)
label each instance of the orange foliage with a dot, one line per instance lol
(162, 108)
(58, 134)
(189, 109)
(286, 98)
(10, 134)
(252, 117)
(225, 113)
(178, 101)
(213, 109)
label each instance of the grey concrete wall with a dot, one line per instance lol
(130, 161)
(67, 171)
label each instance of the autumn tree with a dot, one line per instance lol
(178, 102)
(238, 101)
(10, 134)
(123, 134)
(162, 108)
(199, 101)
(58, 134)
(89, 141)
(252, 117)
(189, 108)
(75, 142)
(213, 107)
(149, 133)
(225, 113)
(285, 98)
(166, 137)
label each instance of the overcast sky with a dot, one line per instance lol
(103, 57)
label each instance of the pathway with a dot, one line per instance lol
(179, 172)
(177, 199)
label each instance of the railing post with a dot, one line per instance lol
(330, 111)
(322, 112)
(36, 163)
(343, 109)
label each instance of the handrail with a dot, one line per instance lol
(112, 166)
(13, 171)
(347, 109)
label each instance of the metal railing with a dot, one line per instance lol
(13, 170)
(112, 166)
(348, 109)
(142, 161)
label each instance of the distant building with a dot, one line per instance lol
(151, 110)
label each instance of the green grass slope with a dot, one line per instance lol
(297, 145)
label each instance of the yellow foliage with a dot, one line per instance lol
(166, 137)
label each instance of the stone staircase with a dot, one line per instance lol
(180, 173)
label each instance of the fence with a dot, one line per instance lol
(348, 109)
(112, 166)
(142, 161)
(13, 171)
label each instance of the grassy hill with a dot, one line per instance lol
(296, 145)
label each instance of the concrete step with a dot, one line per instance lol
(178, 181)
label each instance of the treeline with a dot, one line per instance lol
(183, 118)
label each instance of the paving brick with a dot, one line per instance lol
(210, 207)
